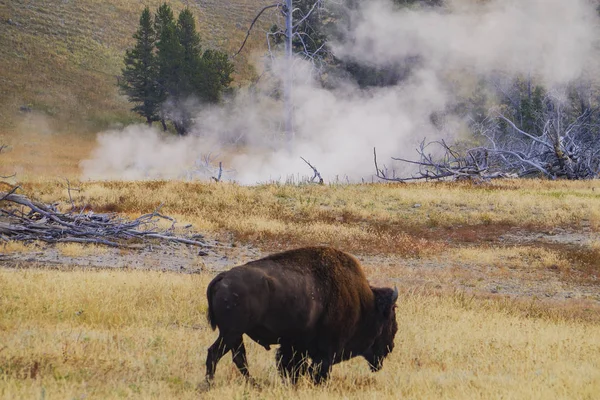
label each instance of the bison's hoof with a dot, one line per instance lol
(204, 386)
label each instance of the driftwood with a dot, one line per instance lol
(29, 220)
(315, 171)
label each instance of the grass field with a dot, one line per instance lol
(498, 281)
(144, 335)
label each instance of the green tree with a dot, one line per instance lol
(310, 27)
(166, 71)
(168, 52)
(191, 53)
(216, 76)
(140, 72)
(185, 73)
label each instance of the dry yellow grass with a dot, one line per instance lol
(32, 155)
(144, 335)
(362, 218)
(79, 250)
(14, 247)
(512, 257)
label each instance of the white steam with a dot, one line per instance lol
(552, 40)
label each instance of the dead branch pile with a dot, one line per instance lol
(28, 220)
(565, 147)
(452, 165)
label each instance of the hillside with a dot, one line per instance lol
(61, 58)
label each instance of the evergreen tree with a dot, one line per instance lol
(139, 73)
(216, 75)
(191, 54)
(310, 38)
(166, 70)
(185, 72)
(168, 52)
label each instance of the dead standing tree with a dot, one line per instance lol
(297, 20)
(567, 147)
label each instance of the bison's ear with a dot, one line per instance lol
(385, 299)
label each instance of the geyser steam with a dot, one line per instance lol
(336, 130)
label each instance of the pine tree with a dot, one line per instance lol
(168, 52)
(191, 55)
(216, 76)
(140, 73)
(167, 68)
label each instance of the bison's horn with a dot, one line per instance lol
(395, 294)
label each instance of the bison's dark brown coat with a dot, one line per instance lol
(315, 302)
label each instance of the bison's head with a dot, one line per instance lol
(385, 304)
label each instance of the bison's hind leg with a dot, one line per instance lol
(220, 347)
(292, 363)
(238, 354)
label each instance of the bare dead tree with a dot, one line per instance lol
(567, 147)
(294, 18)
(279, 4)
(69, 188)
(218, 177)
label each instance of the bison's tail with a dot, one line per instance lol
(209, 295)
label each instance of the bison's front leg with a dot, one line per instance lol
(291, 363)
(321, 370)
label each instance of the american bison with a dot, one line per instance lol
(315, 302)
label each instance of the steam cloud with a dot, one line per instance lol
(552, 40)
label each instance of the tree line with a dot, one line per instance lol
(167, 70)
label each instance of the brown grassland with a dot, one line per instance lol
(500, 296)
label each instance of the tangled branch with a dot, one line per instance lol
(566, 147)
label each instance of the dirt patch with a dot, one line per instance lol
(444, 274)
(437, 272)
(161, 257)
(557, 235)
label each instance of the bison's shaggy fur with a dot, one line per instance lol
(315, 302)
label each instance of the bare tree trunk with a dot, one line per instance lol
(289, 74)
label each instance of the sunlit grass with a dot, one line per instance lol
(14, 247)
(513, 257)
(412, 220)
(144, 335)
(79, 250)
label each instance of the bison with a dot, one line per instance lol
(315, 302)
